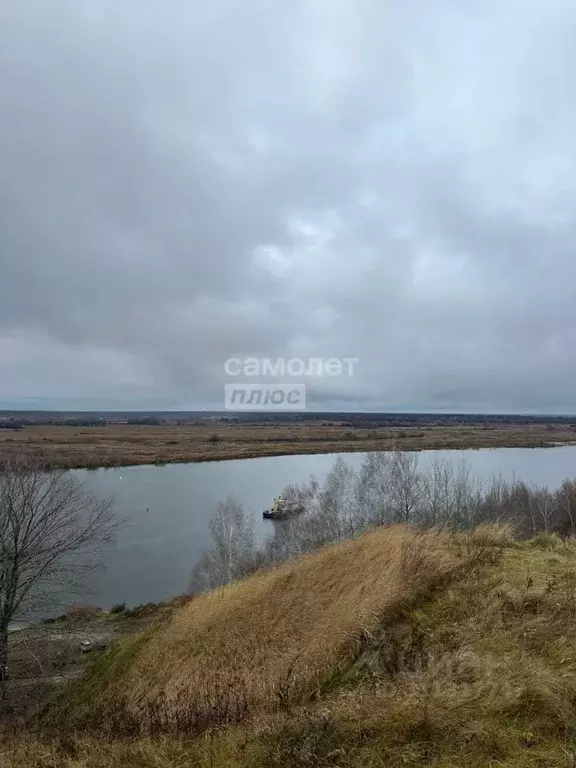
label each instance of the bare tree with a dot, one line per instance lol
(336, 515)
(51, 535)
(566, 498)
(233, 550)
(405, 486)
(374, 487)
(302, 494)
(543, 508)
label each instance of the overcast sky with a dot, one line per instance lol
(389, 180)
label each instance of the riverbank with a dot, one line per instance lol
(122, 445)
(46, 656)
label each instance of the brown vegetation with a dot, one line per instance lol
(118, 445)
(274, 638)
(467, 660)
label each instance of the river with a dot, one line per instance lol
(167, 508)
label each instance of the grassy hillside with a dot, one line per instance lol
(397, 649)
(269, 639)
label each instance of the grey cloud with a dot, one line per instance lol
(392, 182)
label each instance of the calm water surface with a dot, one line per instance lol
(167, 508)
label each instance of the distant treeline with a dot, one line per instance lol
(76, 421)
(369, 420)
(18, 419)
(11, 424)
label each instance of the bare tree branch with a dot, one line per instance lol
(52, 532)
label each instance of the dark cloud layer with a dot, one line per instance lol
(388, 181)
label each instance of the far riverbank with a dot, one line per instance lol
(124, 445)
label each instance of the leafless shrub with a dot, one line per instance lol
(390, 487)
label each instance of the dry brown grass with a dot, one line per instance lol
(478, 672)
(274, 638)
(119, 445)
(483, 674)
(80, 612)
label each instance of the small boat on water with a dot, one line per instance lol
(281, 509)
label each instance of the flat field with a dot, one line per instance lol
(119, 445)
